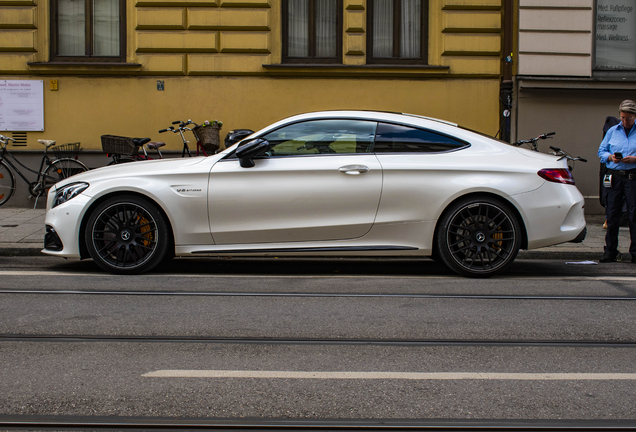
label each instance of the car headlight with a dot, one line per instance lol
(68, 192)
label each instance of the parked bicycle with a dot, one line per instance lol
(124, 149)
(183, 126)
(207, 136)
(49, 173)
(532, 144)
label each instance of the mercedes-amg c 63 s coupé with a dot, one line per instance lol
(336, 183)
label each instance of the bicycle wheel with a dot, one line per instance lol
(61, 169)
(7, 183)
(121, 160)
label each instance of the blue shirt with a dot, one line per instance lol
(616, 141)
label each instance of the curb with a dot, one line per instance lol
(17, 249)
(561, 255)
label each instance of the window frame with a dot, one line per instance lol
(311, 58)
(422, 60)
(87, 58)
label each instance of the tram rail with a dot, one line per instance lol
(316, 294)
(84, 423)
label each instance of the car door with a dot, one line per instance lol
(319, 182)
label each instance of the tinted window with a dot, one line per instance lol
(322, 137)
(404, 139)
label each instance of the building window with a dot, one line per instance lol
(88, 30)
(615, 35)
(397, 31)
(312, 31)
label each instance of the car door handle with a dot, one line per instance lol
(354, 169)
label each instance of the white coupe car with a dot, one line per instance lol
(337, 183)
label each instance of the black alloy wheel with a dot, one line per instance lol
(127, 235)
(478, 237)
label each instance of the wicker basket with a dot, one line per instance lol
(209, 137)
(69, 150)
(113, 144)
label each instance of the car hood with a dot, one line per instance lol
(135, 168)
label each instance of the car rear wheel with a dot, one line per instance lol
(478, 237)
(127, 235)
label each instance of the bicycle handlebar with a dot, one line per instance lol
(6, 138)
(182, 126)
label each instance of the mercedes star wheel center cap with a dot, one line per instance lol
(480, 237)
(125, 235)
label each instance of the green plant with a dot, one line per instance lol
(216, 123)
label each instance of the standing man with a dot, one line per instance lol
(618, 152)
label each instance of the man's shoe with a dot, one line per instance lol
(633, 259)
(610, 258)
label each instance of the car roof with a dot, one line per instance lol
(371, 114)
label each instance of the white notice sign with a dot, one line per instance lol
(615, 34)
(21, 105)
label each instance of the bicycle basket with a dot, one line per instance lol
(69, 150)
(208, 136)
(120, 145)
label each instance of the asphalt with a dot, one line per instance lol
(22, 234)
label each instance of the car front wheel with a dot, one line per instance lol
(127, 235)
(478, 237)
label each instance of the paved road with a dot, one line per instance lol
(306, 339)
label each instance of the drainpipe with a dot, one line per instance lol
(505, 91)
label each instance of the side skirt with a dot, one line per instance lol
(307, 250)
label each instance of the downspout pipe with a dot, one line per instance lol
(505, 91)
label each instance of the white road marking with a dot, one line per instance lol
(389, 375)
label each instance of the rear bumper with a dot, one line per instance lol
(553, 214)
(580, 237)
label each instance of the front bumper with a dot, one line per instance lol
(65, 222)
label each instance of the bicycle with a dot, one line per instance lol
(183, 127)
(532, 143)
(125, 149)
(49, 173)
(205, 135)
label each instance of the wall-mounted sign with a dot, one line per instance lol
(21, 105)
(615, 34)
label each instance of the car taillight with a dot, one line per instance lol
(557, 175)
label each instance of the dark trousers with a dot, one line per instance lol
(622, 190)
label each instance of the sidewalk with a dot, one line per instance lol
(22, 233)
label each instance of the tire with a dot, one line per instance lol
(127, 235)
(478, 237)
(7, 183)
(60, 170)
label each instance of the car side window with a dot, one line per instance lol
(334, 136)
(391, 138)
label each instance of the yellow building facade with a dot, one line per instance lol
(225, 60)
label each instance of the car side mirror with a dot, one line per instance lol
(250, 150)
